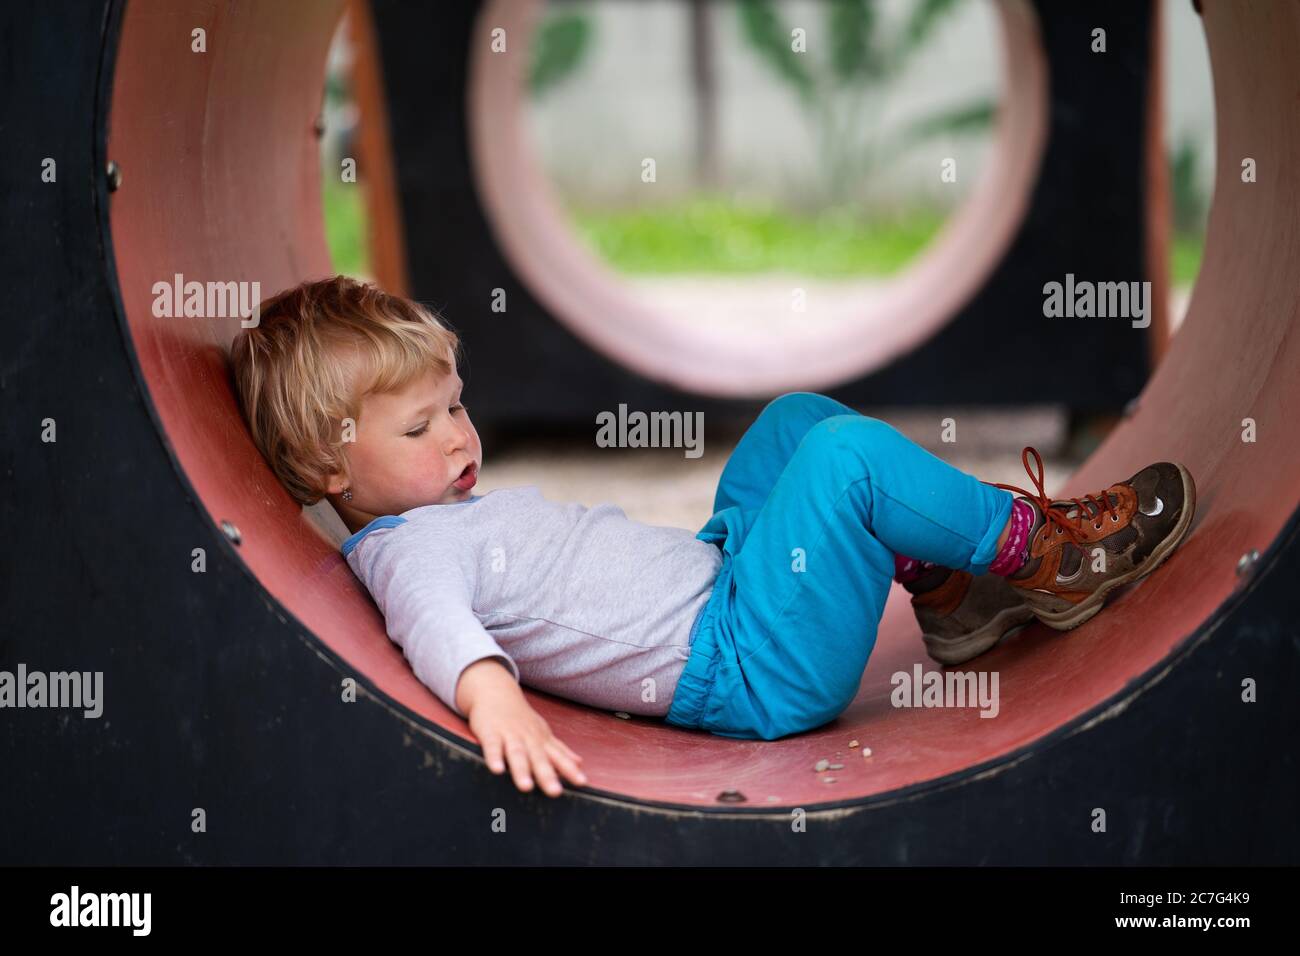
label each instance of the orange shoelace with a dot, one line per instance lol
(1057, 516)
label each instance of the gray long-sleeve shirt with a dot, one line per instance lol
(584, 603)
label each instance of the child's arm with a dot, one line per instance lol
(503, 721)
(426, 604)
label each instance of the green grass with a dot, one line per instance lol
(345, 227)
(713, 236)
(1185, 253)
(718, 237)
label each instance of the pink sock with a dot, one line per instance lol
(909, 569)
(1015, 552)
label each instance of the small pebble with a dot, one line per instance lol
(836, 766)
(853, 745)
(866, 751)
(828, 779)
(620, 714)
(821, 765)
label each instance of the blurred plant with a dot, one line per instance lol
(1185, 187)
(337, 89)
(841, 91)
(559, 46)
(1190, 206)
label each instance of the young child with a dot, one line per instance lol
(757, 627)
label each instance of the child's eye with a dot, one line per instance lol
(459, 407)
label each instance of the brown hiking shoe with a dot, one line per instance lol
(1082, 549)
(962, 616)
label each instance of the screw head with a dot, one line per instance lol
(231, 532)
(1247, 561)
(114, 174)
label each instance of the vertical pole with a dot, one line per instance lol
(384, 232)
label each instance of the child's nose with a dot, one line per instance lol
(457, 439)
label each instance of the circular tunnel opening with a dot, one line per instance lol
(730, 168)
(734, 352)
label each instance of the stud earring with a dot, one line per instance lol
(347, 494)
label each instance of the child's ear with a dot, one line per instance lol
(336, 482)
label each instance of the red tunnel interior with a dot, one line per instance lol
(221, 181)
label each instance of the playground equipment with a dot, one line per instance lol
(224, 688)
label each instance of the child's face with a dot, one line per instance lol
(413, 447)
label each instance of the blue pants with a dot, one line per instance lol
(810, 510)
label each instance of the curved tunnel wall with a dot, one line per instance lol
(225, 686)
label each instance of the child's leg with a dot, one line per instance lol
(814, 571)
(763, 451)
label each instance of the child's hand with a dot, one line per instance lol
(505, 722)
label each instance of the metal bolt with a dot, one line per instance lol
(1246, 562)
(731, 796)
(114, 173)
(231, 532)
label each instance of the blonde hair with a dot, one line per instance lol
(317, 350)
